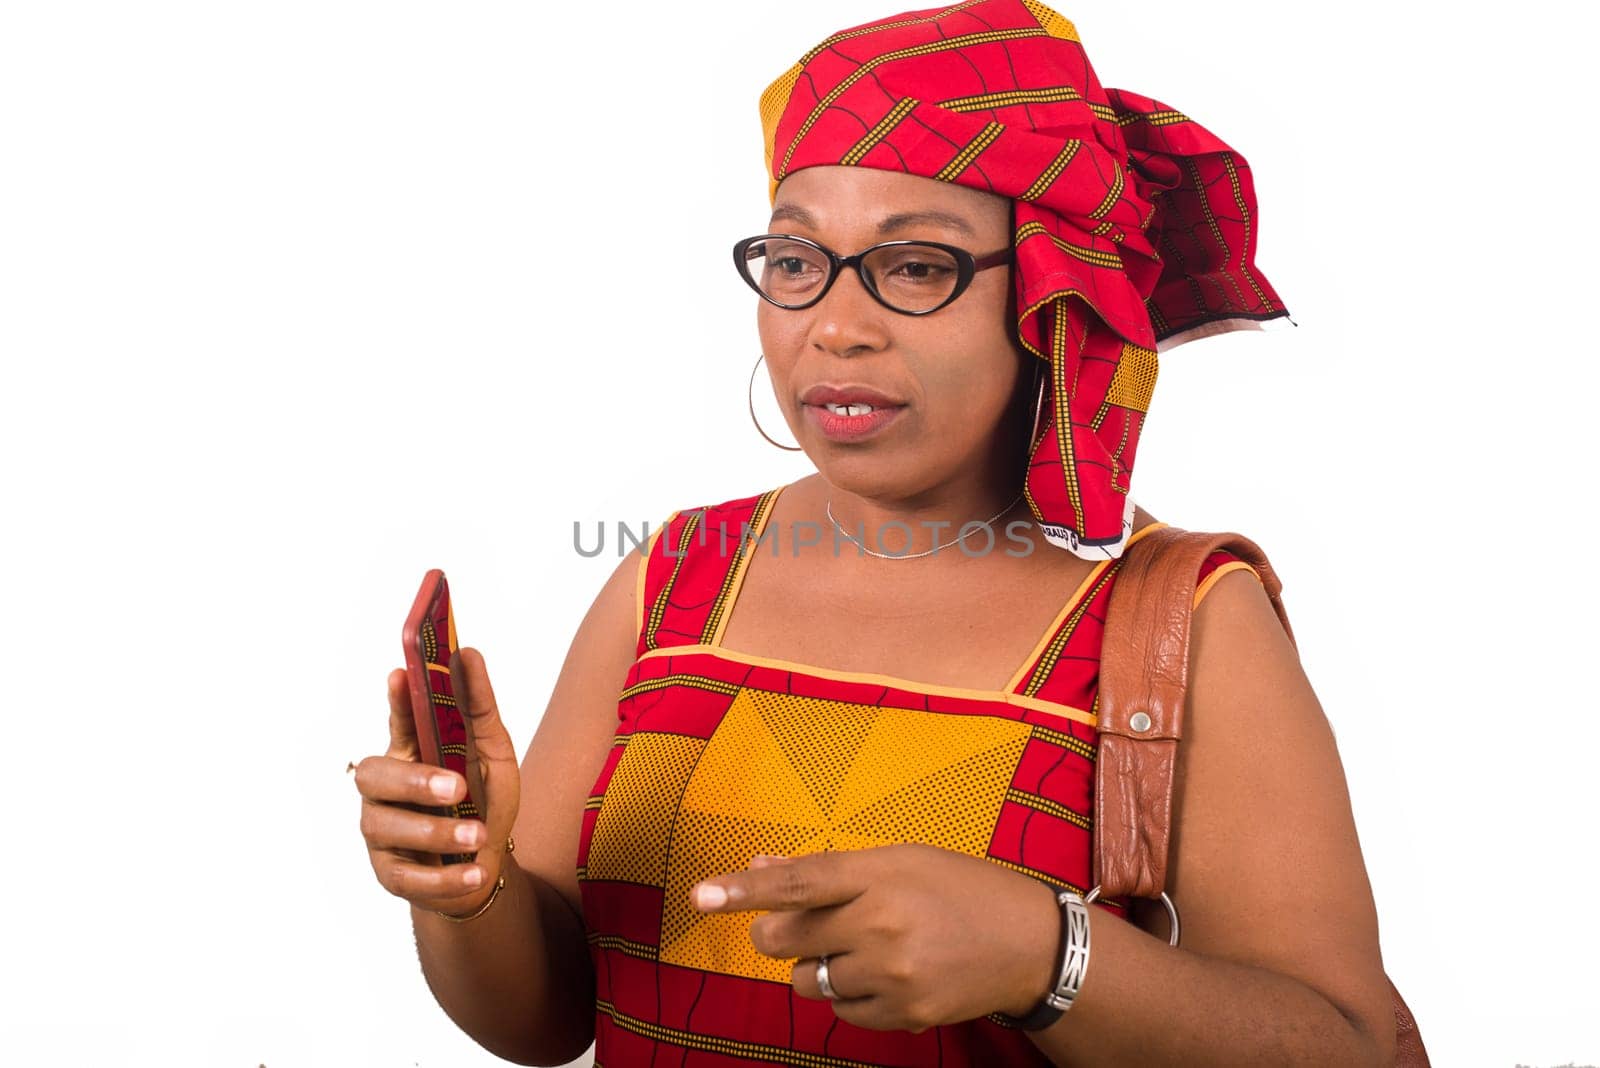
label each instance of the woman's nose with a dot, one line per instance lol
(848, 320)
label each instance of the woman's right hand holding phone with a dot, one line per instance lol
(404, 844)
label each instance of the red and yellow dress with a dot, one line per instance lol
(720, 756)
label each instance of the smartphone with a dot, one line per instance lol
(443, 738)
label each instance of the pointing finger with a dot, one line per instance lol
(813, 881)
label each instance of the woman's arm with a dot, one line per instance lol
(518, 978)
(1279, 959)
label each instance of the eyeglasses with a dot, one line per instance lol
(910, 277)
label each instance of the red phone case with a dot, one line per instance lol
(443, 738)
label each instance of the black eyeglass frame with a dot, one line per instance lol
(967, 266)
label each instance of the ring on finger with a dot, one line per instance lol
(824, 983)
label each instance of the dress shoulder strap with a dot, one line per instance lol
(1062, 668)
(691, 571)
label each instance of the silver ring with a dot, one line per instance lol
(823, 983)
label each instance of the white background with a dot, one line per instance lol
(248, 252)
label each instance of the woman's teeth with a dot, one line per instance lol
(848, 409)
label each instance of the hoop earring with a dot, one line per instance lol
(1038, 406)
(750, 396)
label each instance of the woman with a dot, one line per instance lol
(828, 819)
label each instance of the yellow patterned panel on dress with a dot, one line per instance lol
(789, 775)
(634, 826)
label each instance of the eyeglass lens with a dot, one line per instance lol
(913, 278)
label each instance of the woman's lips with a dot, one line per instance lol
(838, 427)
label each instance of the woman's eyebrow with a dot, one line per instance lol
(792, 213)
(937, 218)
(897, 221)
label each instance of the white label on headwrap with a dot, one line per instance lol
(1062, 536)
(1067, 538)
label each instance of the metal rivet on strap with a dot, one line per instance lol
(1140, 721)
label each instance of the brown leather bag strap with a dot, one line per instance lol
(1144, 677)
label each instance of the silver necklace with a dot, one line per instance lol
(828, 507)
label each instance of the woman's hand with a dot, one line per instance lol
(916, 936)
(405, 845)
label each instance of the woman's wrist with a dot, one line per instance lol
(477, 906)
(1037, 951)
(1068, 970)
(517, 978)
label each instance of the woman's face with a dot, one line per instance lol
(950, 377)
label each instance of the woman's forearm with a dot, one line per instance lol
(1144, 1002)
(518, 978)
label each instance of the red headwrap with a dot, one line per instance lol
(1135, 226)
